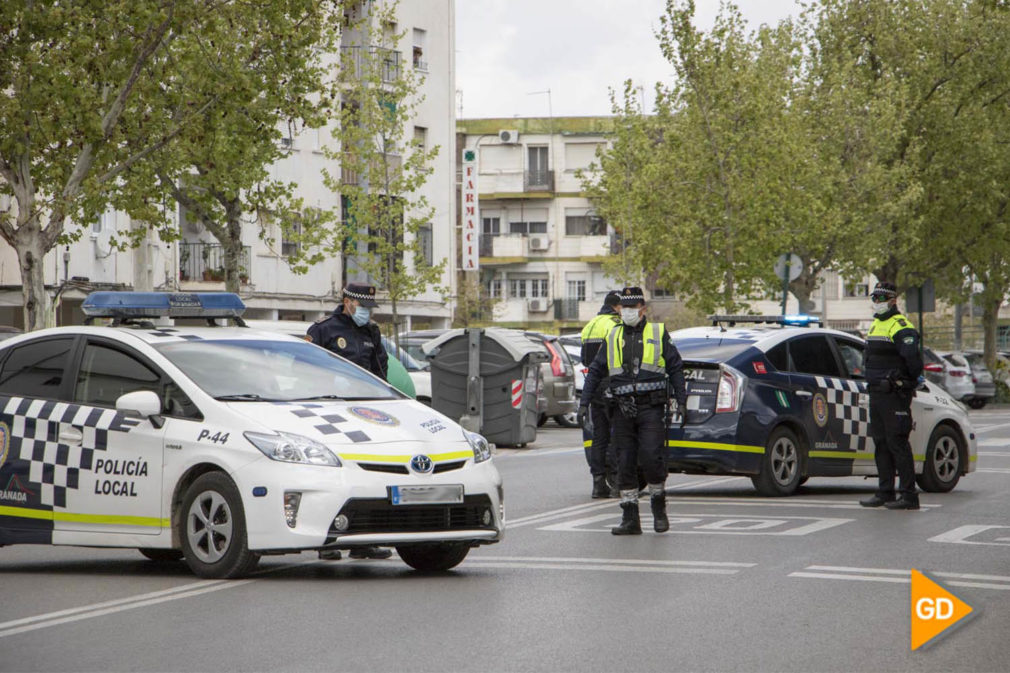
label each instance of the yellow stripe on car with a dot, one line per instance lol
(843, 455)
(116, 519)
(381, 458)
(715, 446)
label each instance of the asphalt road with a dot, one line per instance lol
(740, 583)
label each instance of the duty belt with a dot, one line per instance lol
(631, 388)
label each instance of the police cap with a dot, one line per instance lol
(613, 298)
(364, 294)
(884, 291)
(632, 296)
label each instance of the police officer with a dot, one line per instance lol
(350, 333)
(602, 453)
(892, 365)
(643, 364)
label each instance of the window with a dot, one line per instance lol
(779, 357)
(420, 42)
(520, 288)
(537, 161)
(538, 287)
(852, 356)
(36, 369)
(107, 373)
(517, 288)
(580, 222)
(426, 244)
(494, 288)
(491, 226)
(289, 237)
(527, 227)
(857, 289)
(421, 137)
(577, 290)
(812, 355)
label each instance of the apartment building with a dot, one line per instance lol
(270, 289)
(541, 243)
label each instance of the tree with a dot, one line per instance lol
(270, 74)
(91, 90)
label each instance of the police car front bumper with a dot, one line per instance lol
(363, 497)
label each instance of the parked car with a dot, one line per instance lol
(955, 379)
(573, 345)
(559, 382)
(396, 373)
(781, 403)
(6, 332)
(985, 384)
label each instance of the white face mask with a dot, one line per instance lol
(630, 316)
(880, 307)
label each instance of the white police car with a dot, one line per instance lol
(783, 403)
(222, 444)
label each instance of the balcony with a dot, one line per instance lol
(205, 262)
(384, 62)
(538, 181)
(566, 309)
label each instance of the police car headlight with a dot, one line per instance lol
(481, 449)
(290, 448)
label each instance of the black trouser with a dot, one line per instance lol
(602, 453)
(640, 441)
(890, 425)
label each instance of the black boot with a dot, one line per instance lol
(876, 501)
(630, 525)
(600, 488)
(659, 520)
(615, 491)
(904, 502)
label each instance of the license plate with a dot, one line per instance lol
(439, 494)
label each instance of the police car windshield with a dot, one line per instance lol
(254, 370)
(714, 349)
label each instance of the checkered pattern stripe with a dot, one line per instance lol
(168, 332)
(325, 423)
(843, 398)
(55, 466)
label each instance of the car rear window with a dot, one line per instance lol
(718, 350)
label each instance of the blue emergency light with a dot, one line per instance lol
(784, 320)
(800, 320)
(163, 305)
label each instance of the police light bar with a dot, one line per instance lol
(790, 320)
(163, 305)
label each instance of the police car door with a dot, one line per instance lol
(116, 457)
(856, 424)
(819, 389)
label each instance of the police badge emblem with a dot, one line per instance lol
(341, 342)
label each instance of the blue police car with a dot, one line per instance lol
(780, 400)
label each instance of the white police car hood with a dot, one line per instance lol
(349, 424)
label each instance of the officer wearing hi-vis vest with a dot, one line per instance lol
(892, 365)
(643, 364)
(602, 454)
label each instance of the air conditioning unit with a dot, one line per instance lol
(537, 305)
(509, 137)
(539, 243)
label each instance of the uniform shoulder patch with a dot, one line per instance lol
(902, 322)
(909, 340)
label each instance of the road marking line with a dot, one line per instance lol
(609, 564)
(608, 503)
(816, 524)
(47, 620)
(961, 534)
(987, 428)
(998, 582)
(779, 502)
(999, 454)
(576, 559)
(994, 470)
(610, 568)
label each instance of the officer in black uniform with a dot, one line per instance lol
(601, 453)
(350, 333)
(892, 365)
(643, 364)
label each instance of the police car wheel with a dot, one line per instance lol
(433, 557)
(941, 469)
(162, 555)
(212, 529)
(781, 466)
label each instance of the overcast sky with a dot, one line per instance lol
(506, 49)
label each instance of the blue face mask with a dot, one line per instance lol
(361, 316)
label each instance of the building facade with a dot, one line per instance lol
(542, 246)
(270, 289)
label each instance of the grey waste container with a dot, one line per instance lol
(487, 379)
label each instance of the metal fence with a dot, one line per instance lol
(205, 261)
(538, 181)
(387, 61)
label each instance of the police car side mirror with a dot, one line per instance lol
(146, 403)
